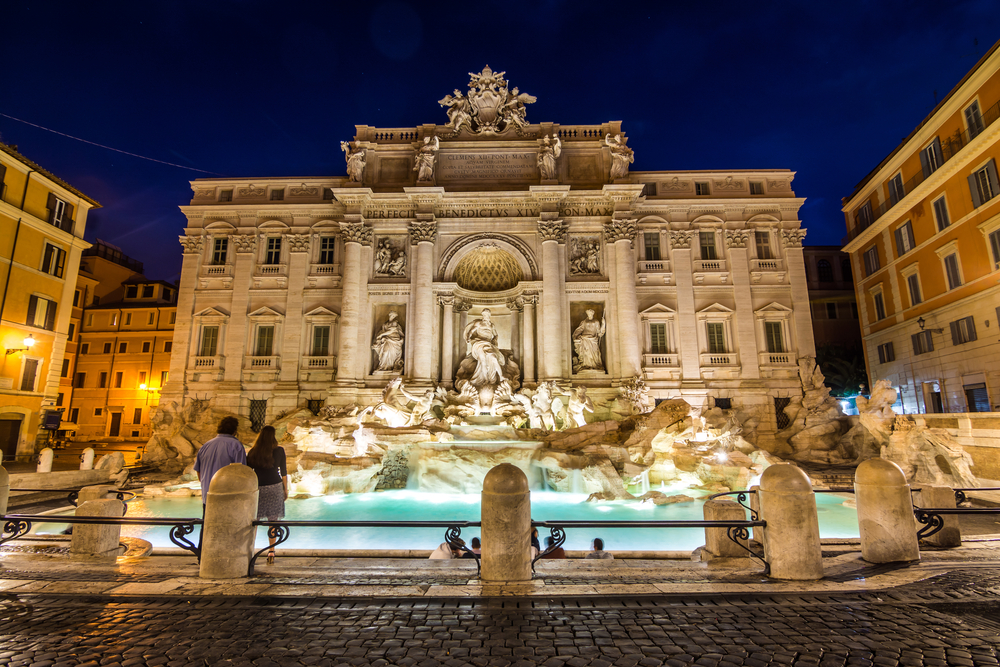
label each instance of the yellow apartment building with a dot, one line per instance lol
(122, 356)
(42, 221)
(924, 241)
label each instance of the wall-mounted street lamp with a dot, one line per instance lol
(28, 342)
(149, 391)
(921, 322)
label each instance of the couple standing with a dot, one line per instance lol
(265, 458)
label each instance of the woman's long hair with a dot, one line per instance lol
(261, 455)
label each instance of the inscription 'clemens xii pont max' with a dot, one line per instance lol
(487, 166)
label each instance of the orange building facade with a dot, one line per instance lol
(924, 242)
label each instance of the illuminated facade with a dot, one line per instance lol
(42, 220)
(924, 241)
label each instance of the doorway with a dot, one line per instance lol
(10, 431)
(115, 427)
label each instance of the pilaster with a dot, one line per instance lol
(804, 341)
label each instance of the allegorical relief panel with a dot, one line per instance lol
(585, 255)
(390, 256)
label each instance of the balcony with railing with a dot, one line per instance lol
(654, 266)
(262, 363)
(319, 363)
(709, 265)
(950, 147)
(719, 359)
(776, 359)
(767, 265)
(218, 270)
(326, 269)
(207, 363)
(659, 360)
(271, 269)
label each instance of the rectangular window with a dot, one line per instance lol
(273, 254)
(74, 414)
(131, 291)
(209, 341)
(145, 346)
(265, 341)
(831, 310)
(168, 346)
(321, 341)
(76, 299)
(974, 119)
(41, 313)
(326, 244)
(84, 348)
(142, 377)
(913, 284)
(90, 320)
(931, 158)
(71, 332)
(225, 195)
(756, 188)
(716, 338)
(651, 245)
(107, 348)
(79, 380)
(648, 190)
(904, 239)
(278, 194)
(59, 400)
(220, 251)
(871, 261)
(65, 369)
(119, 376)
(879, 306)
(60, 213)
(983, 184)
(763, 243)
(122, 348)
(775, 342)
(148, 291)
(102, 379)
(863, 218)
(951, 271)
(150, 319)
(173, 317)
(98, 412)
(701, 188)
(963, 331)
(54, 260)
(128, 319)
(113, 319)
(30, 371)
(886, 353)
(895, 188)
(995, 248)
(706, 241)
(163, 377)
(941, 213)
(137, 416)
(658, 338)
(922, 342)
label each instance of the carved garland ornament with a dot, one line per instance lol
(680, 239)
(552, 230)
(192, 244)
(793, 238)
(619, 230)
(422, 231)
(297, 242)
(356, 232)
(252, 191)
(243, 242)
(737, 239)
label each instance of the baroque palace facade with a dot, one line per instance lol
(308, 292)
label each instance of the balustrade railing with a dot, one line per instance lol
(650, 360)
(776, 358)
(271, 270)
(654, 266)
(719, 359)
(320, 362)
(767, 265)
(218, 270)
(326, 269)
(263, 363)
(208, 362)
(706, 265)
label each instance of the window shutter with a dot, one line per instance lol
(925, 164)
(3, 172)
(891, 352)
(67, 221)
(32, 307)
(50, 316)
(908, 229)
(60, 262)
(936, 147)
(956, 335)
(881, 354)
(970, 325)
(991, 171)
(974, 189)
(51, 204)
(915, 340)
(899, 243)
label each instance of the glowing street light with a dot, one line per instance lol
(28, 342)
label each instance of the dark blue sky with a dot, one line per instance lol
(270, 89)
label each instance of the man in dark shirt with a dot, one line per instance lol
(217, 453)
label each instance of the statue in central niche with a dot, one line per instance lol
(486, 375)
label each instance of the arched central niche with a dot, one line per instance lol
(488, 268)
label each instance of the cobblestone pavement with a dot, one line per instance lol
(953, 619)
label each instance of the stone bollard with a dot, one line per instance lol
(45, 460)
(87, 459)
(788, 505)
(942, 496)
(717, 540)
(97, 492)
(885, 513)
(228, 532)
(97, 540)
(4, 490)
(506, 517)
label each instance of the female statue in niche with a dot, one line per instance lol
(481, 335)
(424, 160)
(388, 345)
(587, 344)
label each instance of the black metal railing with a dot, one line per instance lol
(933, 517)
(16, 526)
(73, 495)
(951, 145)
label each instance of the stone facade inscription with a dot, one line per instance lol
(487, 166)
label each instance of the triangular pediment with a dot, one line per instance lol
(715, 308)
(322, 312)
(266, 312)
(211, 312)
(773, 307)
(658, 309)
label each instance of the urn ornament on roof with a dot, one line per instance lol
(489, 107)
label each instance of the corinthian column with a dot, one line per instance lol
(355, 234)
(529, 339)
(447, 339)
(422, 324)
(620, 233)
(552, 233)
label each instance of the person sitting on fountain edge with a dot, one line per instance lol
(599, 551)
(554, 553)
(475, 550)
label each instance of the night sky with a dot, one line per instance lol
(258, 89)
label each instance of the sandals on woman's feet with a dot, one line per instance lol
(270, 557)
